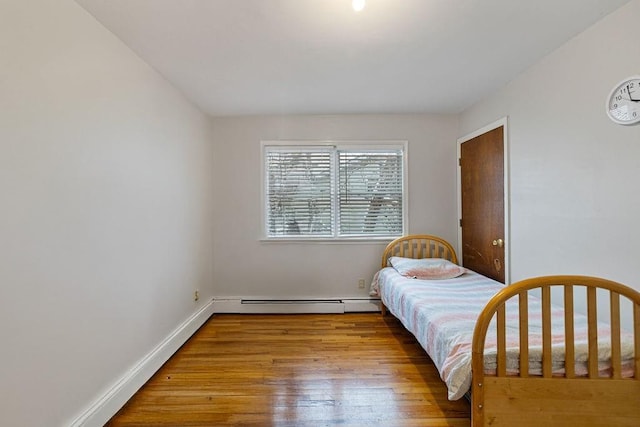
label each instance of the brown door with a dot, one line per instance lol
(482, 188)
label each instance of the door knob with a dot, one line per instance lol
(498, 242)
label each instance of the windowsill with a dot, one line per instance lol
(321, 240)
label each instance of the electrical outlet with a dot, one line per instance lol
(361, 283)
(196, 295)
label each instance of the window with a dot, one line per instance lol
(334, 191)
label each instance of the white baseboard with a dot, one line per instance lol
(107, 405)
(103, 408)
(294, 306)
(361, 305)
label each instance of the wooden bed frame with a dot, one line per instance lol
(417, 246)
(546, 400)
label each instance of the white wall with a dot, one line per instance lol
(107, 179)
(574, 173)
(245, 266)
(106, 211)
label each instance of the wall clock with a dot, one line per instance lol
(623, 103)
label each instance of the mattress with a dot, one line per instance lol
(441, 314)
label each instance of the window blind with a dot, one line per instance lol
(333, 191)
(370, 192)
(299, 192)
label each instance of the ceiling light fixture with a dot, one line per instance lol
(358, 5)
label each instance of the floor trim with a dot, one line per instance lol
(294, 306)
(107, 405)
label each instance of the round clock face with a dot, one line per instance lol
(623, 104)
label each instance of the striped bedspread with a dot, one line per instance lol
(441, 314)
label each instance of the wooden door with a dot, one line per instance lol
(482, 198)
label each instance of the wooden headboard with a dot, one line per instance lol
(419, 246)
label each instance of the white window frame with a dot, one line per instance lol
(359, 144)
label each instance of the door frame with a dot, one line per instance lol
(507, 189)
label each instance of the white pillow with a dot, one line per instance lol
(427, 268)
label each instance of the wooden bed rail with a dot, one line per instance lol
(548, 399)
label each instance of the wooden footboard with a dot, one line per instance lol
(417, 246)
(550, 400)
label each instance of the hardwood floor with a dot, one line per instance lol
(296, 370)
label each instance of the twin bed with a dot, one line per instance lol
(521, 352)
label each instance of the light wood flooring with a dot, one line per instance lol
(296, 370)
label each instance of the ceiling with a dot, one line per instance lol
(250, 57)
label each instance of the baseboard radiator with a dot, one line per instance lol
(294, 306)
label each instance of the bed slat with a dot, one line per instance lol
(616, 362)
(523, 305)
(547, 362)
(592, 319)
(569, 328)
(502, 342)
